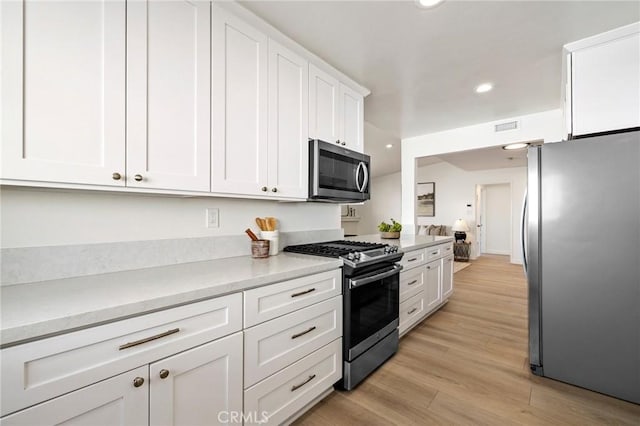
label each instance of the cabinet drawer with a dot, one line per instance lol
(411, 283)
(434, 252)
(275, 344)
(288, 391)
(446, 249)
(413, 258)
(411, 311)
(268, 302)
(36, 371)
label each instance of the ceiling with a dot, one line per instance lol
(481, 159)
(422, 65)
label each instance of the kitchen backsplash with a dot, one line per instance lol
(31, 264)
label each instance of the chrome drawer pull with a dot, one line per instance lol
(148, 339)
(412, 311)
(434, 253)
(303, 292)
(296, 387)
(413, 282)
(412, 260)
(295, 336)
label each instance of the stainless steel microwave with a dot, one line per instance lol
(337, 174)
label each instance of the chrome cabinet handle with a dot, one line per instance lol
(412, 311)
(164, 373)
(413, 282)
(138, 381)
(264, 189)
(434, 253)
(295, 336)
(296, 387)
(412, 260)
(116, 176)
(303, 292)
(148, 339)
(138, 178)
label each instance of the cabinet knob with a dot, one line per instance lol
(116, 176)
(343, 143)
(338, 141)
(274, 189)
(164, 373)
(138, 381)
(138, 178)
(264, 189)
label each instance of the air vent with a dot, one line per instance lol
(503, 127)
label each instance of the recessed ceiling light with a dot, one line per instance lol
(389, 145)
(427, 4)
(513, 146)
(484, 87)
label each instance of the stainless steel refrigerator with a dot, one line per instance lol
(581, 240)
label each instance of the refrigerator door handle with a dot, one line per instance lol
(523, 233)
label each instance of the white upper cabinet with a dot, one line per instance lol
(239, 106)
(288, 123)
(168, 81)
(351, 118)
(323, 106)
(604, 89)
(336, 112)
(63, 91)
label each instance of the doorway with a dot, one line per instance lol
(493, 218)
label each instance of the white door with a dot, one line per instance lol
(479, 243)
(433, 285)
(497, 219)
(199, 387)
(447, 277)
(168, 62)
(120, 400)
(63, 91)
(324, 107)
(352, 118)
(238, 106)
(288, 123)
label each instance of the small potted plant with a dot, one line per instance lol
(390, 230)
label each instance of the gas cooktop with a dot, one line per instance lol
(352, 252)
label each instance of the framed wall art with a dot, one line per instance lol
(426, 199)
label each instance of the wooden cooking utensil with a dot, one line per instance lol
(251, 234)
(260, 223)
(271, 223)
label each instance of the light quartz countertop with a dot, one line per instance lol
(405, 242)
(40, 309)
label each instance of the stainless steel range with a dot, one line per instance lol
(370, 284)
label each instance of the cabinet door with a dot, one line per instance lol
(63, 91)
(324, 107)
(606, 87)
(288, 123)
(238, 106)
(115, 401)
(447, 277)
(352, 118)
(202, 386)
(433, 285)
(168, 60)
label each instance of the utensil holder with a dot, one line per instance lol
(260, 249)
(274, 239)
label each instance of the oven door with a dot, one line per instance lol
(337, 173)
(371, 304)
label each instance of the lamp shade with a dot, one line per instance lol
(460, 226)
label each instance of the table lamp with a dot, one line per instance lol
(460, 229)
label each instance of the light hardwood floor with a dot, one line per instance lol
(467, 364)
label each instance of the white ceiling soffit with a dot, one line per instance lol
(481, 159)
(422, 65)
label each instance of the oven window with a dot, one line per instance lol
(337, 171)
(373, 306)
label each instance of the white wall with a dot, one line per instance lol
(455, 188)
(497, 219)
(546, 126)
(385, 203)
(38, 217)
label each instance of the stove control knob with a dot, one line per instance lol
(350, 256)
(394, 249)
(357, 255)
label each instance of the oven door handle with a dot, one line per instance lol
(360, 282)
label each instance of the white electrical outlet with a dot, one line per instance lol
(213, 218)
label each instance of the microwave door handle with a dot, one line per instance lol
(358, 176)
(365, 169)
(356, 283)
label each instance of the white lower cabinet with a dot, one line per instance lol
(424, 287)
(115, 401)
